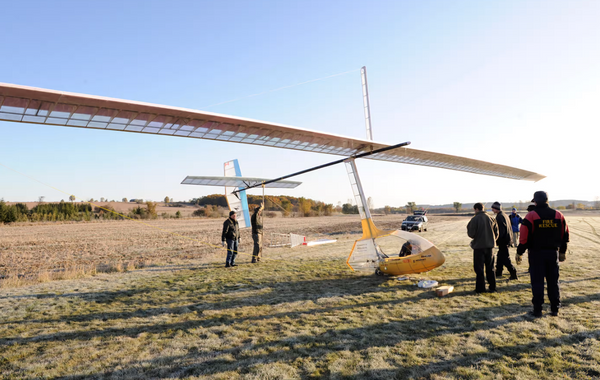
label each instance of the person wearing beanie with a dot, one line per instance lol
(257, 232)
(483, 230)
(231, 235)
(503, 241)
(515, 220)
(544, 232)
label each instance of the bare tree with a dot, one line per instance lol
(457, 206)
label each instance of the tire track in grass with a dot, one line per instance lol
(595, 241)
(593, 229)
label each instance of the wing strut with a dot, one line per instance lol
(326, 165)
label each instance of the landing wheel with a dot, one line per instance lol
(378, 272)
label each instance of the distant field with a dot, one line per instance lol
(44, 251)
(299, 314)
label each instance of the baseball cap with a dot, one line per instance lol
(540, 197)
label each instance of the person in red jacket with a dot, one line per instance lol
(544, 232)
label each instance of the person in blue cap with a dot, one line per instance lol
(515, 221)
(544, 232)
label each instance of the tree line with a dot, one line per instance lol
(42, 212)
(67, 211)
(286, 204)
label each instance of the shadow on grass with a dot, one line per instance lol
(285, 293)
(356, 339)
(291, 348)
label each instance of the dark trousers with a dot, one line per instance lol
(257, 249)
(544, 264)
(503, 260)
(232, 249)
(484, 257)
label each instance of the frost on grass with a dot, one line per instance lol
(300, 315)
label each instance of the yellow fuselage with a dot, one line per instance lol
(417, 263)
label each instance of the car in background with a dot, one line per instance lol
(415, 223)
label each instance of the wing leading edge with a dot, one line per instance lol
(237, 182)
(40, 106)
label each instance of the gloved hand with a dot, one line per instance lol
(222, 244)
(562, 256)
(519, 259)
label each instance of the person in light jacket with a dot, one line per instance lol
(483, 230)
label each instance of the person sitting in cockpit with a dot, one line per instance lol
(406, 249)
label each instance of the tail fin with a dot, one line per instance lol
(237, 202)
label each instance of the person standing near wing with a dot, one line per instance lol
(544, 232)
(484, 232)
(257, 233)
(503, 241)
(515, 220)
(231, 235)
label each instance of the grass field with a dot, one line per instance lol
(299, 314)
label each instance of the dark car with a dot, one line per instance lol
(415, 223)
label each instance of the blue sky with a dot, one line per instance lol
(514, 82)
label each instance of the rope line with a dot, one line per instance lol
(279, 89)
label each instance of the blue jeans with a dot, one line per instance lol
(232, 248)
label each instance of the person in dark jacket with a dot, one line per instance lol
(257, 233)
(231, 235)
(544, 232)
(503, 241)
(484, 232)
(406, 249)
(515, 220)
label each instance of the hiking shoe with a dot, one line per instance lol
(227, 265)
(554, 313)
(492, 291)
(514, 277)
(536, 313)
(234, 265)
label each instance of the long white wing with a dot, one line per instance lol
(40, 106)
(237, 182)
